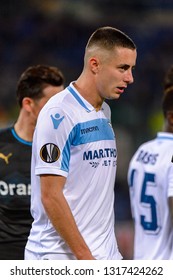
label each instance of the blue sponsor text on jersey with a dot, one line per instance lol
(89, 129)
(146, 157)
(101, 153)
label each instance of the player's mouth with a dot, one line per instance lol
(120, 89)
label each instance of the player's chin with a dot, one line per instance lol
(115, 96)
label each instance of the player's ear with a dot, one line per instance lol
(27, 103)
(94, 64)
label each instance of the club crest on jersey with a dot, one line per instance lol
(56, 119)
(49, 153)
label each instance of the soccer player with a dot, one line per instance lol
(150, 179)
(74, 157)
(35, 86)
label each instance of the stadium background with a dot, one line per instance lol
(56, 31)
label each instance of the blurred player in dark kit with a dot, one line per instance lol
(35, 86)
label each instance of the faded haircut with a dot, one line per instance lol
(109, 37)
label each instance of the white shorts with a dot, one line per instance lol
(36, 256)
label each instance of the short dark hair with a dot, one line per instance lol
(167, 102)
(109, 37)
(168, 79)
(35, 78)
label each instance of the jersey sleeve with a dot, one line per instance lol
(52, 142)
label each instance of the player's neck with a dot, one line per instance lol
(92, 98)
(24, 127)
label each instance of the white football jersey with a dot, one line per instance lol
(150, 179)
(73, 140)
